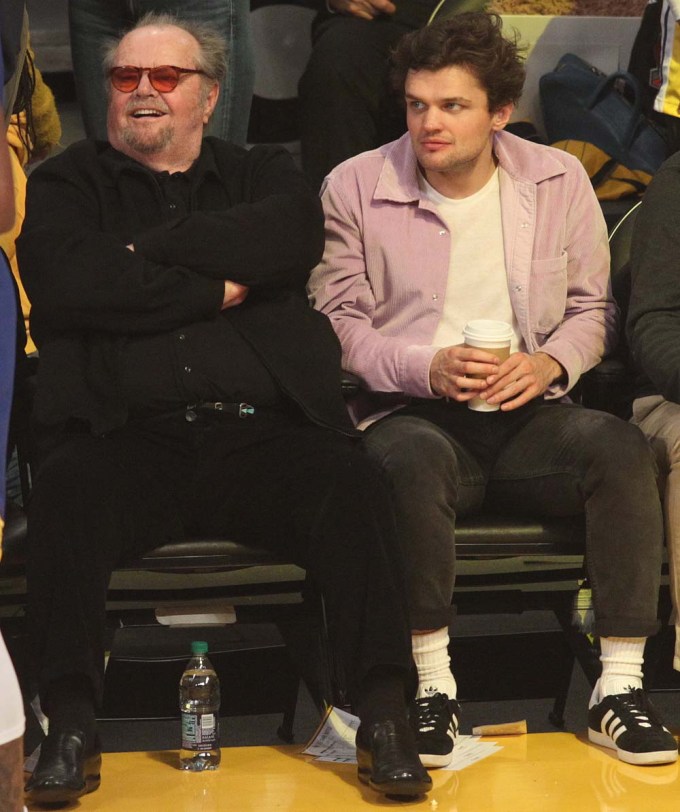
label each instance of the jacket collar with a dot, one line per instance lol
(525, 161)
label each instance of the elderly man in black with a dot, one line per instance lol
(185, 386)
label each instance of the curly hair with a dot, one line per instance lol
(472, 40)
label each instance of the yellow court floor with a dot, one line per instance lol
(550, 772)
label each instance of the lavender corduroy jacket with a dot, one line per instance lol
(382, 279)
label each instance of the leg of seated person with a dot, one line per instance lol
(231, 18)
(316, 498)
(12, 776)
(345, 104)
(568, 459)
(433, 480)
(659, 420)
(91, 24)
(95, 501)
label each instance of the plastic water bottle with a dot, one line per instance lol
(199, 704)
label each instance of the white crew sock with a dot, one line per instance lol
(621, 659)
(431, 654)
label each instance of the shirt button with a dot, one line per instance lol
(518, 287)
(435, 296)
(173, 206)
(181, 336)
(442, 233)
(187, 368)
(524, 225)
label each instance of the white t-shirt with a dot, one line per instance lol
(477, 285)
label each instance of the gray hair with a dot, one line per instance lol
(212, 47)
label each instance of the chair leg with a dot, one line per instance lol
(285, 729)
(585, 652)
(556, 715)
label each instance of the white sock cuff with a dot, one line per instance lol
(430, 642)
(630, 650)
(622, 659)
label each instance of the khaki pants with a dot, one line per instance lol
(659, 419)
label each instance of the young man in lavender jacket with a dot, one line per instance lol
(458, 220)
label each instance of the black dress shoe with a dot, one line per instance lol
(68, 767)
(388, 759)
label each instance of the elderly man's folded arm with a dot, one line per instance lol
(272, 240)
(91, 281)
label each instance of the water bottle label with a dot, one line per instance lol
(200, 731)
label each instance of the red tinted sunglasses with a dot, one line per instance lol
(164, 78)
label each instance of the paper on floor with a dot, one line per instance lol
(333, 741)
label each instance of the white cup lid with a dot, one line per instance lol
(488, 330)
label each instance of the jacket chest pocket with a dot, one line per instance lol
(547, 294)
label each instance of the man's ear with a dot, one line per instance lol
(210, 102)
(501, 116)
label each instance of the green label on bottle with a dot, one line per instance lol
(200, 731)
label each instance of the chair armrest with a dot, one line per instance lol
(350, 384)
(609, 387)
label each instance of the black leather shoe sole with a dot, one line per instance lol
(55, 791)
(397, 787)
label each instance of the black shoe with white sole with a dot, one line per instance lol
(434, 720)
(631, 725)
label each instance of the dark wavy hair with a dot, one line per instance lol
(472, 40)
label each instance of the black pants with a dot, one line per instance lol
(276, 482)
(545, 459)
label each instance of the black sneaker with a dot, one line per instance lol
(434, 720)
(630, 724)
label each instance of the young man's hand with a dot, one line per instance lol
(452, 368)
(521, 378)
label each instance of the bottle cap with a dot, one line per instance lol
(199, 647)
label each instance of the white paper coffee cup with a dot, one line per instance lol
(494, 336)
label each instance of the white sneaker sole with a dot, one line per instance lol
(431, 761)
(656, 757)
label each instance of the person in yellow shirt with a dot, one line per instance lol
(32, 134)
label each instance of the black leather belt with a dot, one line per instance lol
(241, 410)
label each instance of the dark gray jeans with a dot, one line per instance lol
(444, 461)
